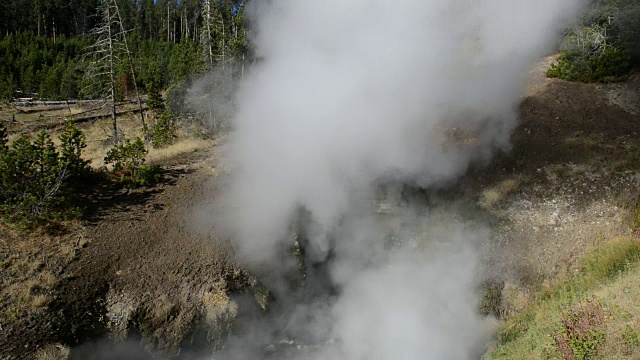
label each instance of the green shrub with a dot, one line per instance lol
(622, 18)
(588, 55)
(128, 163)
(604, 45)
(4, 140)
(33, 180)
(72, 142)
(127, 155)
(581, 331)
(148, 175)
(154, 99)
(164, 131)
(629, 23)
(176, 98)
(576, 66)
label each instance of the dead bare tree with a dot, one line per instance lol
(103, 57)
(207, 38)
(132, 69)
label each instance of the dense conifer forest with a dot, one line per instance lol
(48, 46)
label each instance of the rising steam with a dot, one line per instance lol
(350, 98)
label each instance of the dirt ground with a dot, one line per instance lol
(141, 270)
(570, 182)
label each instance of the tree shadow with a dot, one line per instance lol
(106, 197)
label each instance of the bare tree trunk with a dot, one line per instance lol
(133, 72)
(208, 31)
(224, 45)
(212, 118)
(112, 77)
(244, 34)
(186, 24)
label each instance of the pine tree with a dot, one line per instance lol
(72, 142)
(4, 140)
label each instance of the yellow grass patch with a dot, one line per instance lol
(53, 352)
(39, 301)
(180, 147)
(496, 194)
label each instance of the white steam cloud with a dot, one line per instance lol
(351, 96)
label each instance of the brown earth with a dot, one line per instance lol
(142, 270)
(570, 182)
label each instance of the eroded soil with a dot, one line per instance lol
(571, 181)
(142, 271)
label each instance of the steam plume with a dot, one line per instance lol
(349, 98)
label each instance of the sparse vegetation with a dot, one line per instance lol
(603, 46)
(581, 331)
(491, 303)
(29, 269)
(53, 352)
(220, 311)
(578, 317)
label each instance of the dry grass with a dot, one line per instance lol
(219, 312)
(29, 262)
(39, 301)
(99, 133)
(493, 196)
(585, 142)
(183, 145)
(218, 306)
(162, 312)
(623, 334)
(48, 279)
(99, 137)
(516, 299)
(53, 352)
(26, 119)
(120, 310)
(99, 141)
